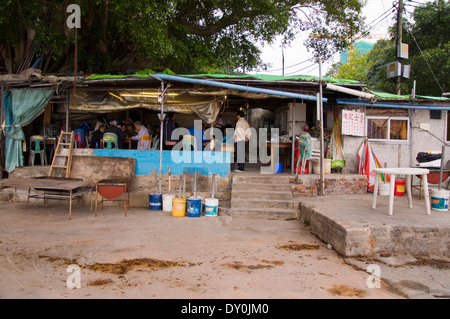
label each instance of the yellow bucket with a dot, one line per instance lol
(178, 207)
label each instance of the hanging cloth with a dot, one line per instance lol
(367, 162)
(21, 107)
(337, 152)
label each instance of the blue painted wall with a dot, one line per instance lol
(206, 163)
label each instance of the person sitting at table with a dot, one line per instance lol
(124, 129)
(168, 127)
(114, 128)
(142, 131)
(155, 139)
(197, 132)
(97, 136)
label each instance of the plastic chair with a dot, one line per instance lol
(79, 138)
(110, 141)
(155, 143)
(37, 146)
(189, 143)
(146, 138)
(305, 147)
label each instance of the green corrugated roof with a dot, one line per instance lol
(392, 97)
(266, 77)
(262, 77)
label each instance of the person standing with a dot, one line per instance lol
(142, 131)
(97, 136)
(169, 126)
(241, 135)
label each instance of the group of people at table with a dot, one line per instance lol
(169, 142)
(121, 133)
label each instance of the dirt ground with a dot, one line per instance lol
(150, 254)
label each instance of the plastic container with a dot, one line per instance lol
(167, 202)
(155, 201)
(399, 188)
(179, 207)
(384, 189)
(327, 166)
(316, 167)
(439, 199)
(211, 206)
(278, 167)
(194, 207)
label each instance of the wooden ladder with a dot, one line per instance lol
(66, 157)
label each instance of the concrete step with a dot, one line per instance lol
(272, 178)
(265, 213)
(263, 187)
(256, 195)
(262, 203)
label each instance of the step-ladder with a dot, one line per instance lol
(63, 159)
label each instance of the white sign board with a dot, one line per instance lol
(353, 123)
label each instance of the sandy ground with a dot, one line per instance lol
(154, 255)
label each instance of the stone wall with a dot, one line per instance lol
(335, 184)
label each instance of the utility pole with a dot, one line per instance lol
(399, 42)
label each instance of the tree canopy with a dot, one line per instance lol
(428, 41)
(183, 35)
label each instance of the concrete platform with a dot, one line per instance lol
(350, 225)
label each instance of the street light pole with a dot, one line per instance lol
(398, 81)
(322, 166)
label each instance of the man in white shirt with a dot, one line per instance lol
(142, 131)
(241, 135)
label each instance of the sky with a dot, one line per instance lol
(378, 17)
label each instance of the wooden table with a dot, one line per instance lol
(50, 188)
(408, 172)
(129, 141)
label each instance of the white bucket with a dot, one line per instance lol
(167, 202)
(439, 199)
(384, 189)
(211, 206)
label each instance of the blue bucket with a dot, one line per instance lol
(155, 201)
(194, 207)
(278, 167)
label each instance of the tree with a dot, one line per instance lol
(184, 35)
(429, 45)
(356, 67)
(428, 40)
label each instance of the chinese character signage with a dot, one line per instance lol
(353, 123)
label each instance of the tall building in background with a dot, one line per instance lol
(363, 46)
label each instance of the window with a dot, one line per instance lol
(387, 128)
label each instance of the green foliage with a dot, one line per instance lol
(184, 35)
(356, 68)
(429, 50)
